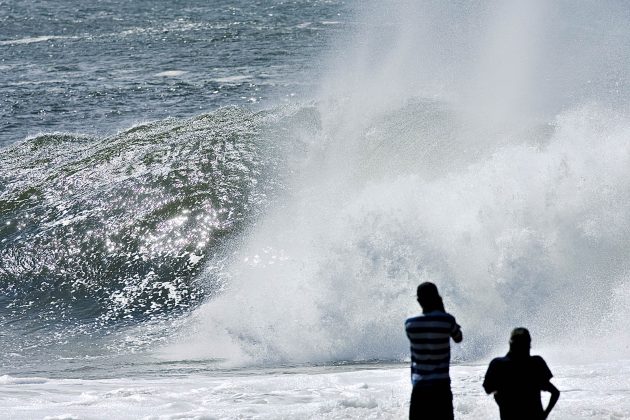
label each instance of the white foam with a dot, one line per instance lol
(31, 40)
(171, 73)
(11, 380)
(517, 215)
(588, 392)
(524, 234)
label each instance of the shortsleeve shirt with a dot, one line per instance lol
(429, 337)
(517, 384)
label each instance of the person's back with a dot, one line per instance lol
(429, 337)
(517, 379)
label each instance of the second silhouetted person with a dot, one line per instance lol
(517, 379)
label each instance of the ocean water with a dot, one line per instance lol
(102, 66)
(222, 210)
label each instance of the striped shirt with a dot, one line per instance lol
(429, 335)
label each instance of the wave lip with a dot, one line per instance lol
(103, 233)
(12, 380)
(171, 73)
(119, 226)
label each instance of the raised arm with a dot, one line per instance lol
(456, 334)
(555, 394)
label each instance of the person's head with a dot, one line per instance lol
(520, 341)
(429, 298)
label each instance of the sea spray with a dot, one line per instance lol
(522, 236)
(508, 188)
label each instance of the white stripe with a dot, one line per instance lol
(430, 367)
(431, 376)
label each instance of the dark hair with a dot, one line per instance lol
(429, 298)
(520, 341)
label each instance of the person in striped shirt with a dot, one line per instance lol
(429, 336)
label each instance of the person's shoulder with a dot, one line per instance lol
(449, 316)
(437, 314)
(499, 360)
(497, 365)
(540, 367)
(431, 316)
(538, 360)
(442, 316)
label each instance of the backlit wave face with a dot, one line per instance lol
(102, 231)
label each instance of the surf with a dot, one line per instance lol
(489, 160)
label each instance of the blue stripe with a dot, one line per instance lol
(419, 361)
(415, 330)
(429, 339)
(428, 323)
(429, 370)
(430, 344)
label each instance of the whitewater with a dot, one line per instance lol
(217, 213)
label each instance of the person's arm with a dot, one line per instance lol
(456, 333)
(489, 381)
(458, 336)
(555, 394)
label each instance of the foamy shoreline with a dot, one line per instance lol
(599, 391)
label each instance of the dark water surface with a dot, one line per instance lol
(99, 66)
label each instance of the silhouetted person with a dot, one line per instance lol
(429, 335)
(517, 379)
